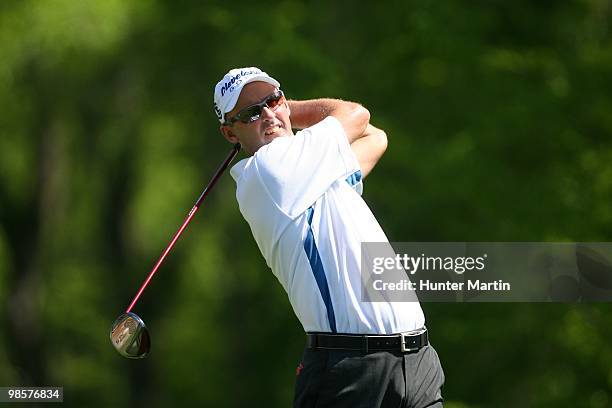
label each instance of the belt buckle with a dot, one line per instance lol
(403, 344)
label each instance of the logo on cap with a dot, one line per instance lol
(230, 85)
(218, 111)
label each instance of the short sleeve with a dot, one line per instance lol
(297, 170)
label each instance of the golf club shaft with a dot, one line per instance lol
(195, 208)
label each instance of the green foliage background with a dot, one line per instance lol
(499, 116)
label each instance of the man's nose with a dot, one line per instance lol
(267, 113)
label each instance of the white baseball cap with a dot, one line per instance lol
(228, 89)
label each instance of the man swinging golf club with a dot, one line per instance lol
(301, 195)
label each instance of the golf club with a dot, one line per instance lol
(129, 334)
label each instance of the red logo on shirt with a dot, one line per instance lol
(299, 368)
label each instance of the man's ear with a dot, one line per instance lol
(227, 133)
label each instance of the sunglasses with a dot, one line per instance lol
(252, 113)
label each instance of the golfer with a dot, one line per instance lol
(301, 195)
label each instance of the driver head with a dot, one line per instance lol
(130, 336)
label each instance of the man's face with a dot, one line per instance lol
(271, 124)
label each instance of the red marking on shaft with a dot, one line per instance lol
(161, 259)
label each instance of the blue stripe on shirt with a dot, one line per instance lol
(317, 269)
(354, 178)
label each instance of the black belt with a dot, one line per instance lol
(408, 342)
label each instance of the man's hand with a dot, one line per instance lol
(369, 148)
(353, 117)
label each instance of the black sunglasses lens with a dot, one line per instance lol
(249, 114)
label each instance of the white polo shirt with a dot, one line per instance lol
(301, 196)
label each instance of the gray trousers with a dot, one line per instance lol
(338, 378)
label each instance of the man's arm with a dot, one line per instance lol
(367, 142)
(353, 117)
(369, 148)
